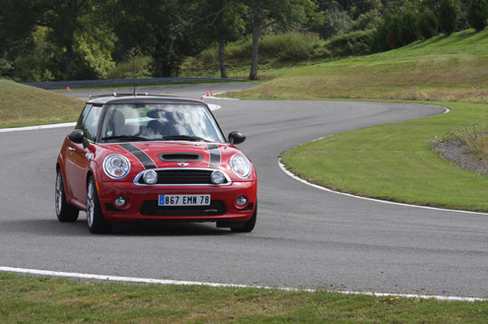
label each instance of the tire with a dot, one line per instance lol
(66, 213)
(97, 224)
(249, 225)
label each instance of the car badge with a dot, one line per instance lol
(182, 164)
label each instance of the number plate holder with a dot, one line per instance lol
(184, 200)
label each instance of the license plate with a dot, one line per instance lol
(184, 200)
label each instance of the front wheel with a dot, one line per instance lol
(249, 225)
(97, 224)
(64, 211)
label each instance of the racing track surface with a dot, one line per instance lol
(304, 237)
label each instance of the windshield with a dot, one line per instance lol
(132, 122)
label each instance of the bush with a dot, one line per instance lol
(335, 22)
(427, 24)
(447, 16)
(381, 41)
(354, 43)
(285, 47)
(477, 14)
(408, 28)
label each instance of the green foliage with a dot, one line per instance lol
(284, 47)
(160, 30)
(447, 17)
(387, 35)
(38, 64)
(477, 15)
(366, 21)
(288, 47)
(92, 60)
(91, 57)
(428, 25)
(80, 34)
(351, 44)
(5, 66)
(408, 30)
(336, 21)
(132, 68)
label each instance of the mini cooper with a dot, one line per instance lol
(145, 158)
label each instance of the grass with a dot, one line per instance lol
(441, 69)
(395, 162)
(22, 105)
(30, 299)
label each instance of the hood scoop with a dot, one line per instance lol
(180, 157)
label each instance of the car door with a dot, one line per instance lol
(78, 157)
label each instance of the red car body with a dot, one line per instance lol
(195, 177)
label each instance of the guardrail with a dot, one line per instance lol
(122, 82)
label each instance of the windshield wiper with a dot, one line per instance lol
(185, 138)
(125, 137)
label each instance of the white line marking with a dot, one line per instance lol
(75, 275)
(283, 168)
(18, 129)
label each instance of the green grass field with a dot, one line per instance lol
(22, 105)
(441, 69)
(26, 299)
(447, 71)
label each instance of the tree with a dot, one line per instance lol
(478, 14)
(64, 18)
(223, 23)
(335, 21)
(409, 32)
(160, 29)
(268, 12)
(447, 17)
(17, 23)
(427, 24)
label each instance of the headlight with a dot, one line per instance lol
(241, 166)
(116, 166)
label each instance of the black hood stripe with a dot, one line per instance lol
(215, 156)
(145, 160)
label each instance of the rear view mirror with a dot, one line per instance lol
(236, 137)
(78, 136)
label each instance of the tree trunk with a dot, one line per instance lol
(223, 72)
(256, 29)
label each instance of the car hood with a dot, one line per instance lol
(149, 155)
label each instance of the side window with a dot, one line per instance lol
(88, 121)
(81, 120)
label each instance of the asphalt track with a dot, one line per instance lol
(304, 237)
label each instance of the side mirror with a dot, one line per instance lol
(236, 138)
(79, 137)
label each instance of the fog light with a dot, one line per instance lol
(150, 177)
(241, 201)
(218, 177)
(120, 201)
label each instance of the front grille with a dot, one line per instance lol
(183, 177)
(151, 208)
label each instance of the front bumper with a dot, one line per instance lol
(142, 202)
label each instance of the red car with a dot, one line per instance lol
(141, 158)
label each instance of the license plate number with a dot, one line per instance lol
(184, 200)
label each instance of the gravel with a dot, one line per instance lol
(457, 152)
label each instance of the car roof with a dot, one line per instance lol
(121, 98)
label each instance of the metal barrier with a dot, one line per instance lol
(123, 82)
